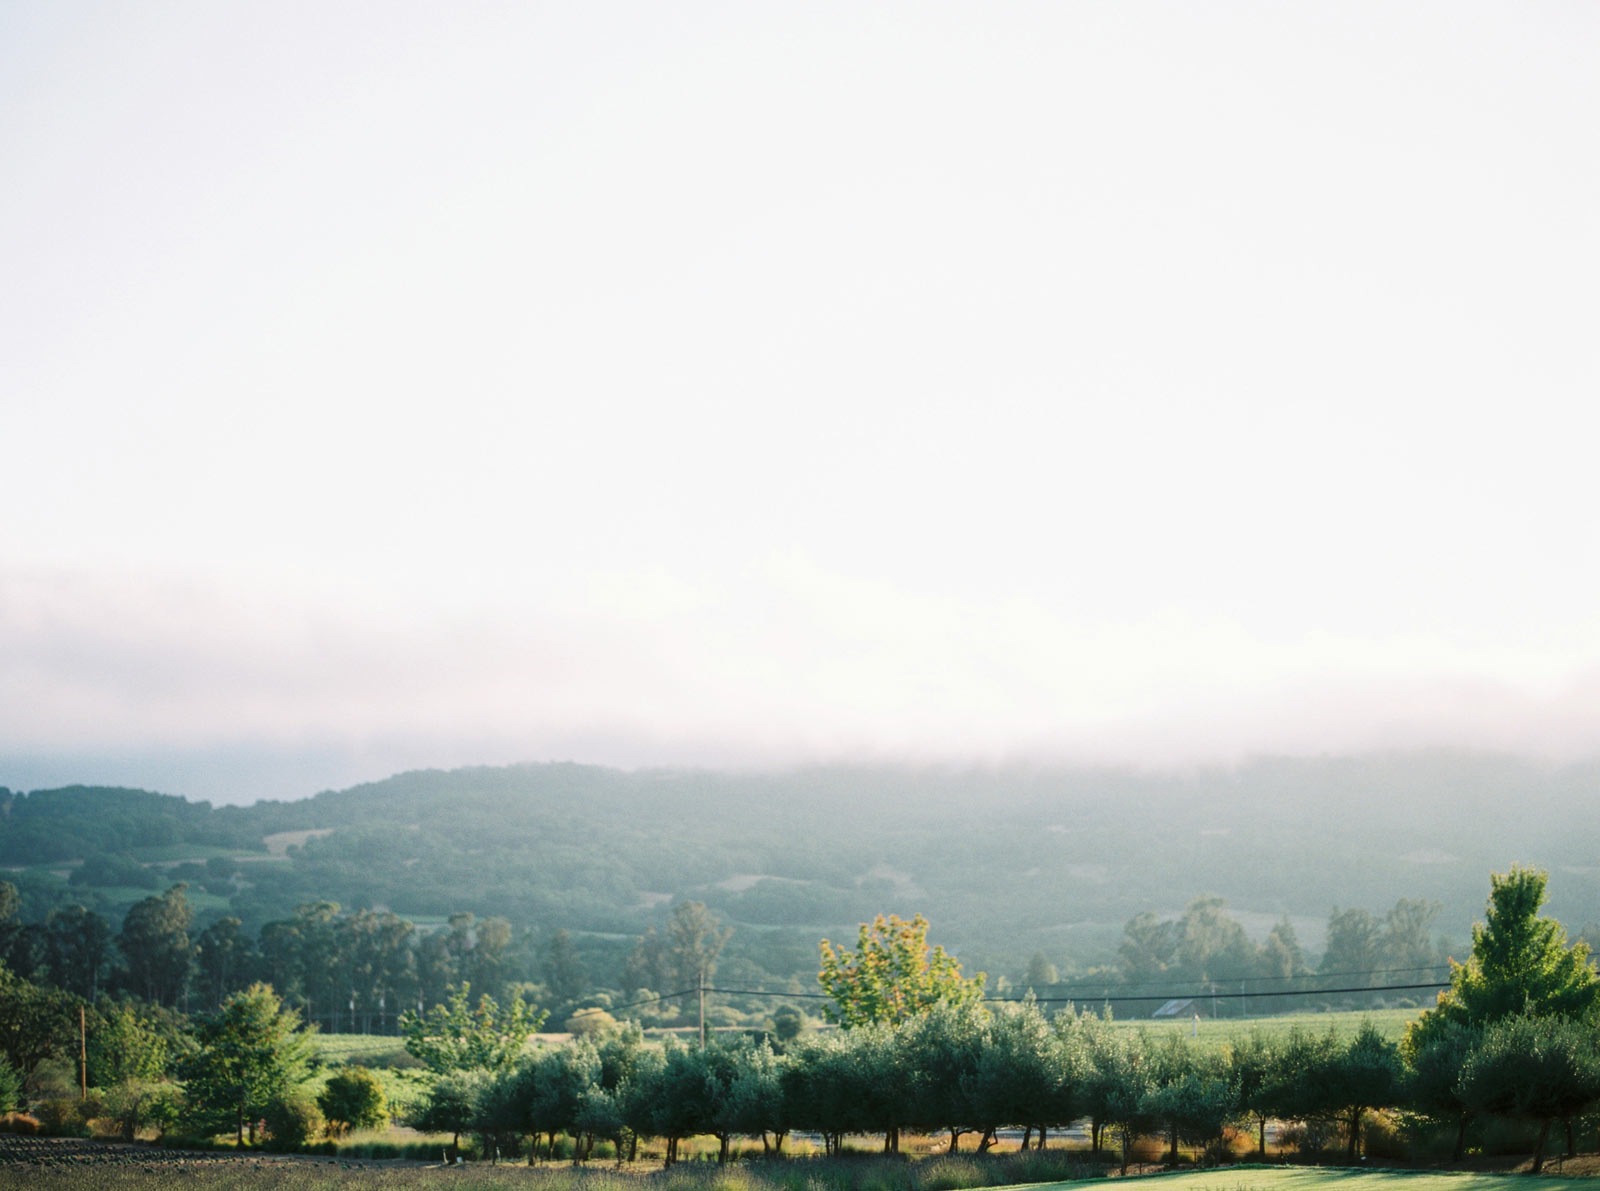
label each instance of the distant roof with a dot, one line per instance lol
(1173, 1008)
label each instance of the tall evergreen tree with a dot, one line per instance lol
(1521, 963)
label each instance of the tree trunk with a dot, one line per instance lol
(986, 1141)
(1095, 1128)
(777, 1141)
(239, 1137)
(1262, 1144)
(1572, 1141)
(1354, 1147)
(1043, 1137)
(722, 1149)
(1461, 1139)
(955, 1141)
(1538, 1147)
(1172, 1153)
(1027, 1137)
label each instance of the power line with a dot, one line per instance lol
(651, 1000)
(1231, 996)
(1092, 999)
(1090, 988)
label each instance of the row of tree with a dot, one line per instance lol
(354, 971)
(962, 1070)
(1207, 946)
(1517, 1034)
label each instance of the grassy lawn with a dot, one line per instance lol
(1322, 1178)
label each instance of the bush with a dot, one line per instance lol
(64, 1118)
(353, 1099)
(137, 1104)
(19, 1122)
(1382, 1137)
(291, 1122)
(10, 1086)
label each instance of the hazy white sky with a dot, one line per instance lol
(397, 384)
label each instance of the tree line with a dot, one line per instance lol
(346, 971)
(1517, 1035)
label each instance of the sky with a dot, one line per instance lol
(389, 385)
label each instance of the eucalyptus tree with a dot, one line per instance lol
(78, 950)
(155, 943)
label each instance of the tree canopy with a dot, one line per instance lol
(1521, 963)
(892, 975)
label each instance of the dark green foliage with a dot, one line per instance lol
(353, 1099)
(78, 949)
(155, 943)
(82, 820)
(36, 1023)
(102, 868)
(1539, 1069)
(292, 1119)
(251, 1054)
(1434, 1087)
(451, 1104)
(10, 1086)
(132, 1040)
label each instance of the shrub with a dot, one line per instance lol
(1382, 1137)
(10, 1086)
(19, 1122)
(291, 1122)
(137, 1104)
(353, 1099)
(64, 1118)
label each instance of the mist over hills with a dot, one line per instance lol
(1006, 861)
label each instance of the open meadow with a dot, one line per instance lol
(1217, 1033)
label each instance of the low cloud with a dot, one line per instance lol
(784, 662)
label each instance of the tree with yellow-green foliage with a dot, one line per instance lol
(892, 975)
(1521, 964)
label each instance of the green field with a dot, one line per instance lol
(1391, 1023)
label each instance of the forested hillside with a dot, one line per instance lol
(1011, 865)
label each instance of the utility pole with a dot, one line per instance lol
(702, 1008)
(83, 1052)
